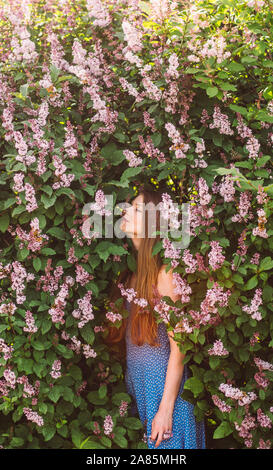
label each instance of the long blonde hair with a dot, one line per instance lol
(143, 325)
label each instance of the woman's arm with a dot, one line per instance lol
(163, 419)
(175, 366)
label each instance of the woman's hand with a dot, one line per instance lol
(161, 423)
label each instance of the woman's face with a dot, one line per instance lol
(132, 221)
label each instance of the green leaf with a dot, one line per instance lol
(4, 222)
(47, 251)
(37, 264)
(87, 332)
(117, 398)
(195, 385)
(132, 423)
(48, 201)
(266, 264)
(102, 391)
(223, 430)
(75, 372)
(251, 283)
(48, 431)
(212, 91)
(57, 233)
(55, 393)
(77, 437)
(94, 398)
(130, 173)
(120, 441)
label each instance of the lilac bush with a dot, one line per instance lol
(103, 97)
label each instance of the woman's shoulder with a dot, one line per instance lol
(165, 283)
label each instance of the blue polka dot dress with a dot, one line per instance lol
(145, 380)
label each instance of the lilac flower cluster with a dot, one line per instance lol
(33, 416)
(216, 258)
(149, 149)
(131, 295)
(5, 349)
(221, 404)
(132, 158)
(243, 398)
(99, 205)
(171, 252)
(30, 323)
(56, 368)
(57, 310)
(85, 311)
(182, 288)
(178, 144)
(97, 10)
(29, 192)
(63, 180)
(108, 425)
(261, 230)
(218, 349)
(76, 345)
(34, 238)
(123, 408)
(254, 305)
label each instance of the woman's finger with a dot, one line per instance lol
(159, 440)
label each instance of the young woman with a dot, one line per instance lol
(155, 374)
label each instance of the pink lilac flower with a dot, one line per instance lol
(82, 276)
(108, 424)
(132, 158)
(131, 89)
(182, 288)
(100, 12)
(169, 211)
(215, 256)
(261, 379)
(189, 261)
(179, 146)
(5, 349)
(88, 351)
(260, 230)
(262, 197)
(263, 365)
(30, 198)
(204, 196)
(85, 311)
(30, 323)
(55, 371)
(149, 149)
(34, 238)
(244, 206)
(255, 303)
(132, 36)
(218, 349)
(99, 205)
(33, 416)
(243, 398)
(170, 251)
(221, 404)
(10, 378)
(123, 408)
(113, 317)
(221, 122)
(227, 189)
(264, 444)
(263, 419)
(255, 258)
(214, 47)
(245, 427)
